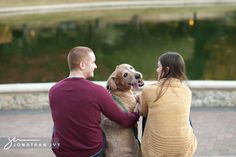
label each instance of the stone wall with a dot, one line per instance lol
(35, 96)
(35, 100)
(214, 98)
(39, 100)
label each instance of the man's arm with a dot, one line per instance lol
(111, 110)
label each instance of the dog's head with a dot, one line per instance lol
(124, 78)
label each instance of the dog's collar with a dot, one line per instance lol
(123, 107)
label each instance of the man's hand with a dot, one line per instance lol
(137, 106)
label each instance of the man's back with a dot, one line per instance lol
(76, 114)
(76, 106)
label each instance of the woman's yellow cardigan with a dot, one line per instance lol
(168, 132)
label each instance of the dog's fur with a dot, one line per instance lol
(120, 141)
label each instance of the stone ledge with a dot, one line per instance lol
(35, 96)
(213, 98)
(35, 100)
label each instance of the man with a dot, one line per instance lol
(76, 106)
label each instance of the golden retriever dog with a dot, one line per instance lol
(121, 141)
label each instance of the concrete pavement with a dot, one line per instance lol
(215, 129)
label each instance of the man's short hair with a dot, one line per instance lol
(76, 55)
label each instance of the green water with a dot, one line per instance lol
(37, 53)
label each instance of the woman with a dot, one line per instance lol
(166, 104)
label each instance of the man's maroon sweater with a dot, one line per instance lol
(76, 106)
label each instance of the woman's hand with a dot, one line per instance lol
(136, 108)
(137, 97)
(138, 105)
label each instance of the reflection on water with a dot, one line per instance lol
(38, 53)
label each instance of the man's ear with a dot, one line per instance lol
(111, 85)
(82, 65)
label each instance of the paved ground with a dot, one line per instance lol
(215, 130)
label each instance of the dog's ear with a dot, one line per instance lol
(111, 85)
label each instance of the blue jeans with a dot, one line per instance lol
(190, 121)
(99, 153)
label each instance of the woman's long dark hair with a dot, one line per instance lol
(173, 66)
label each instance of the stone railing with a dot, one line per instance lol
(35, 95)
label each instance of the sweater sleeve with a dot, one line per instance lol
(143, 102)
(111, 110)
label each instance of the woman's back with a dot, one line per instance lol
(168, 131)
